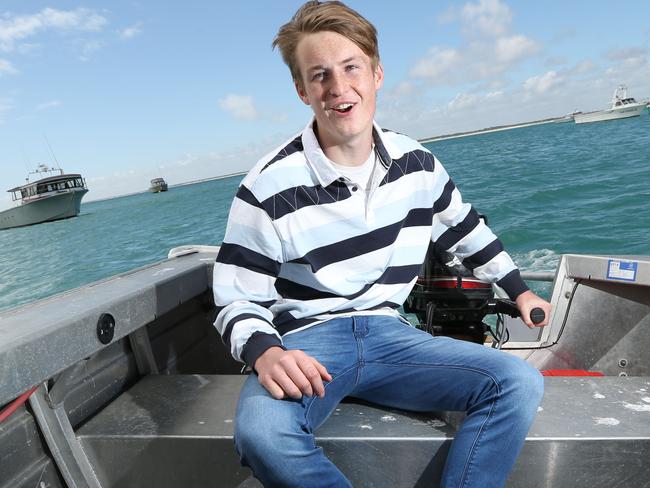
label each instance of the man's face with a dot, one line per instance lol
(340, 85)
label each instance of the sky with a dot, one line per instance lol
(125, 91)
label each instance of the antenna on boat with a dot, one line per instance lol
(52, 153)
(26, 161)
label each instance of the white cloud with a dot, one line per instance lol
(6, 68)
(18, 27)
(47, 105)
(543, 83)
(487, 52)
(239, 106)
(439, 63)
(513, 48)
(132, 31)
(487, 17)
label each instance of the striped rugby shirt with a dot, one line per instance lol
(303, 244)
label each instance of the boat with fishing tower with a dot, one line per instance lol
(622, 107)
(52, 195)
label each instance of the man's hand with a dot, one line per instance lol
(291, 373)
(528, 301)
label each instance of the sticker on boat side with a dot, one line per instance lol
(621, 270)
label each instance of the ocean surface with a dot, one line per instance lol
(546, 190)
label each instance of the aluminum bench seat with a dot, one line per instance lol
(176, 430)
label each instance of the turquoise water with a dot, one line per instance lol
(546, 190)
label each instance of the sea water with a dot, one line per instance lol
(546, 190)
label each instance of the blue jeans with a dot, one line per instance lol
(384, 361)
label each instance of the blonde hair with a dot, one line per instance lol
(315, 16)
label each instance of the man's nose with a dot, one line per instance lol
(338, 84)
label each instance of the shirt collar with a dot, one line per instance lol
(323, 169)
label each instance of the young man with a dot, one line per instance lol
(325, 240)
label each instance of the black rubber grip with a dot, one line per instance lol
(537, 315)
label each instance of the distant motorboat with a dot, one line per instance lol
(158, 185)
(622, 108)
(50, 197)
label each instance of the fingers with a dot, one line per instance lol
(292, 374)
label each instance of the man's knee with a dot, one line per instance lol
(523, 381)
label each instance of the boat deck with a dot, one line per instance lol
(177, 430)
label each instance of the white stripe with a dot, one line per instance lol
(230, 283)
(496, 268)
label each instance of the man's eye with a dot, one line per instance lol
(318, 76)
(351, 67)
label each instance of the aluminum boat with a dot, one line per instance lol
(125, 382)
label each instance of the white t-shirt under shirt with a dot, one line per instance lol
(361, 174)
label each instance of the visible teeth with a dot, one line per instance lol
(343, 106)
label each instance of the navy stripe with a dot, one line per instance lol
(293, 199)
(445, 197)
(410, 162)
(247, 196)
(452, 235)
(392, 276)
(288, 150)
(295, 291)
(286, 322)
(257, 344)
(512, 284)
(481, 257)
(396, 275)
(245, 258)
(365, 243)
(227, 331)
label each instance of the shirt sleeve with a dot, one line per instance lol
(458, 229)
(245, 271)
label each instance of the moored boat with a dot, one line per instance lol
(622, 107)
(126, 382)
(158, 185)
(50, 197)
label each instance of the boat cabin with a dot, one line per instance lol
(624, 101)
(47, 186)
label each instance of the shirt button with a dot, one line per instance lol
(341, 179)
(355, 188)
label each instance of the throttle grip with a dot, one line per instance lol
(537, 315)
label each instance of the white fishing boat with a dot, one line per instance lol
(126, 382)
(53, 195)
(622, 107)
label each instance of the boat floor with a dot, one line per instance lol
(176, 430)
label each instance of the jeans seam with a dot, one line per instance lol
(313, 398)
(428, 365)
(464, 479)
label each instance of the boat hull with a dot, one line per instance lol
(603, 115)
(55, 207)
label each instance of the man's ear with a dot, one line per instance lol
(301, 92)
(379, 76)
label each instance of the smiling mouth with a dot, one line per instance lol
(343, 107)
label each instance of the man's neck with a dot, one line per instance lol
(350, 153)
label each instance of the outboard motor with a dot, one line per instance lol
(449, 300)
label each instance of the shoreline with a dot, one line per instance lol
(487, 130)
(175, 185)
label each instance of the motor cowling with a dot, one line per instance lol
(448, 299)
